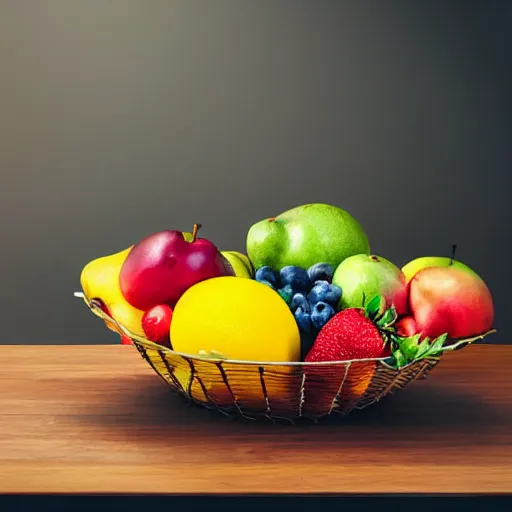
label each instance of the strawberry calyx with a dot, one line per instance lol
(383, 318)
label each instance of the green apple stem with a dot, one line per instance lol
(454, 248)
(197, 227)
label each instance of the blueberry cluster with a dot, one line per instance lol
(310, 294)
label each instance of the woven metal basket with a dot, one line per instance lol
(276, 391)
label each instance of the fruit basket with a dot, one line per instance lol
(309, 323)
(279, 391)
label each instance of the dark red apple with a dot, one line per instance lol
(156, 324)
(162, 266)
(450, 300)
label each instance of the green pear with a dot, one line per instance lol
(240, 263)
(306, 235)
(362, 277)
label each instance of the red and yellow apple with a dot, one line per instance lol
(414, 266)
(448, 300)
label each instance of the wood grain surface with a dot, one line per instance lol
(97, 419)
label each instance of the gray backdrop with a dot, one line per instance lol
(121, 118)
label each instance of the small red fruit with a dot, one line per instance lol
(156, 324)
(407, 326)
(125, 340)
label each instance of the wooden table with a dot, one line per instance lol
(97, 419)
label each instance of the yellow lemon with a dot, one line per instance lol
(238, 318)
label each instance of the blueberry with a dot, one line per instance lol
(266, 274)
(333, 295)
(321, 314)
(320, 272)
(303, 319)
(299, 300)
(296, 277)
(286, 293)
(318, 292)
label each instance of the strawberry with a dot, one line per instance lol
(350, 334)
(353, 333)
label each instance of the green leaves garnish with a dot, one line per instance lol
(406, 350)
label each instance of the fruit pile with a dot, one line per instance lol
(309, 288)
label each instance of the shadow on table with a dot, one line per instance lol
(425, 407)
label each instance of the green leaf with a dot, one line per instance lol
(409, 346)
(405, 350)
(388, 318)
(423, 348)
(375, 307)
(400, 359)
(438, 343)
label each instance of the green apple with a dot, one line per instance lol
(414, 266)
(306, 235)
(362, 277)
(240, 263)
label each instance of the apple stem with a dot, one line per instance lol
(454, 248)
(197, 227)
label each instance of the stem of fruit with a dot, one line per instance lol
(454, 248)
(197, 227)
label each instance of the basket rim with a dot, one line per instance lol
(94, 307)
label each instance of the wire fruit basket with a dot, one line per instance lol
(278, 391)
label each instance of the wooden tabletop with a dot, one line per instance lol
(97, 419)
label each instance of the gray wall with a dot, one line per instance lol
(121, 118)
